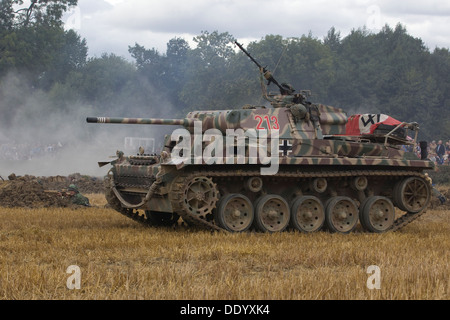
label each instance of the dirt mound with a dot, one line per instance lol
(436, 204)
(44, 192)
(29, 194)
(85, 184)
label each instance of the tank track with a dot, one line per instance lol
(116, 205)
(176, 195)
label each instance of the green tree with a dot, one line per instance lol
(42, 11)
(151, 64)
(333, 40)
(166, 73)
(356, 70)
(6, 16)
(207, 83)
(176, 59)
(103, 79)
(309, 64)
(34, 41)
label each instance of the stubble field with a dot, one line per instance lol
(120, 259)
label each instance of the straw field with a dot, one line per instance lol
(120, 259)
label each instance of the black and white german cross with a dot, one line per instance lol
(285, 148)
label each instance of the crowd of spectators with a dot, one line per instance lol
(437, 152)
(22, 151)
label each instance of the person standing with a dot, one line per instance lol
(447, 149)
(440, 151)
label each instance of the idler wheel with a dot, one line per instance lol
(341, 215)
(412, 194)
(272, 213)
(377, 214)
(200, 196)
(234, 213)
(307, 214)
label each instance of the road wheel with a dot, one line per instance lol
(341, 215)
(377, 214)
(272, 214)
(307, 214)
(234, 213)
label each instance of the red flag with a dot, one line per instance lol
(360, 124)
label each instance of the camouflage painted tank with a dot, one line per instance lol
(289, 166)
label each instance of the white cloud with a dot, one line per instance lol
(113, 25)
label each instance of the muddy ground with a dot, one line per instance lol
(44, 192)
(436, 204)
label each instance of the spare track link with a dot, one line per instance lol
(177, 193)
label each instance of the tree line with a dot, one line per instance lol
(388, 71)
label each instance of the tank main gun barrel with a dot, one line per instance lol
(172, 122)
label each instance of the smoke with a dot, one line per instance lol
(40, 137)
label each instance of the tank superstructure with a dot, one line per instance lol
(291, 165)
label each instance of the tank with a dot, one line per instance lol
(293, 165)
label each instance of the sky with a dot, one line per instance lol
(110, 26)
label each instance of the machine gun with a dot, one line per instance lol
(285, 89)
